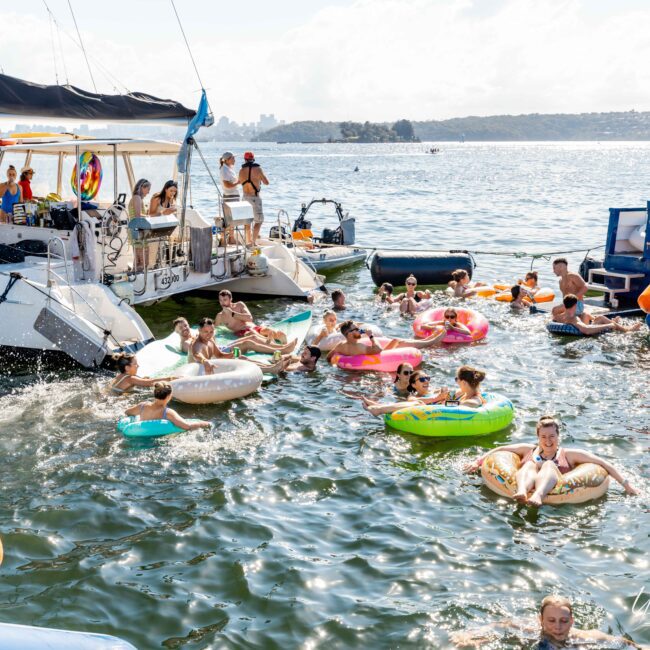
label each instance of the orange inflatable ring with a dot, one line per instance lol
(543, 295)
(644, 300)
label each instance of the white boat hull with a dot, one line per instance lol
(331, 258)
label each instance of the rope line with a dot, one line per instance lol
(83, 48)
(187, 44)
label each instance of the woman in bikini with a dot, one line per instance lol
(411, 301)
(158, 409)
(127, 377)
(461, 285)
(544, 463)
(449, 322)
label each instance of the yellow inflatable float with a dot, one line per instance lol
(584, 482)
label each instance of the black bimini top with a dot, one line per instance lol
(23, 98)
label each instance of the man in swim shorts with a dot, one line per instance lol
(586, 324)
(251, 178)
(238, 319)
(352, 346)
(570, 282)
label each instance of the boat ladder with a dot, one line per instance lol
(611, 292)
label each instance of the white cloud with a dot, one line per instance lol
(379, 60)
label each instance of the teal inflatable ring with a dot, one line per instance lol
(441, 421)
(132, 427)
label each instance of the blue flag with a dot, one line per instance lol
(203, 117)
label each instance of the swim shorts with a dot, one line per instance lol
(256, 202)
(580, 308)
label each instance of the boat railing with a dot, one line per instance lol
(284, 215)
(51, 274)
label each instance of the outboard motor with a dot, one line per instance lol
(347, 230)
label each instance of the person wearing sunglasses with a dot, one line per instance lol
(352, 346)
(419, 392)
(402, 377)
(411, 301)
(450, 322)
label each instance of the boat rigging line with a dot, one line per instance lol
(83, 48)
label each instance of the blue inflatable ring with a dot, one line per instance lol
(132, 427)
(563, 329)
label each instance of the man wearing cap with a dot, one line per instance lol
(26, 175)
(251, 178)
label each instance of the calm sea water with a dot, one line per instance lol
(299, 521)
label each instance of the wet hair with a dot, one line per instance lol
(179, 320)
(515, 291)
(458, 275)
(413, 378)
(162, 390)
(555, 601)
(329, 312)
(162, 195)
(346, 326)
(399, 369)
(336, 294)
(547, 421)
(532, 275)
(140, 185)
(570, 301)
(123, 360)
(205, 321)
(224, 293)
(387, 287)
(471, 375)
(560, 260)
(314, 352)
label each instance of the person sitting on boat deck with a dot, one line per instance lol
(402, 379)
(25, 182)
(11, 194)
(159, 409)
(587, 324)
(519, 293)
(408, 301)
(419, 392)
(543, 463)
(164, 202)
(462, 286)
(352, 347)
(449, 322)
(570, 282)
(127, 377)
(238, 319)
(183, 329)
(251, 178)
(307, 360)
(554, 627)
(136, 209)
(338, 300)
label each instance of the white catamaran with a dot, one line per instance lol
(69, 278)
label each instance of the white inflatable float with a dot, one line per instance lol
(230, 379)
(26, 637)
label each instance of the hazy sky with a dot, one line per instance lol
(350, 59)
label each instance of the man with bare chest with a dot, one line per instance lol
(204, 348)
(570, 283)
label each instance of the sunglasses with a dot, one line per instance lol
(424, 379)
(451, 316)
(411, 284)
(407, 372)
(354, 329)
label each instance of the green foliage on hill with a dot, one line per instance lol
(584, 126)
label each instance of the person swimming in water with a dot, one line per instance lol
(412, 301)
(402, 379)
(461, 285)
(544, 463)
(127, 377)
(385, 294)
(519, 294)
(183, 329)
(338, 300)
(158, 409)
(554, 628)
(469, 392)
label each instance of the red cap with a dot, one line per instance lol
(249, 155)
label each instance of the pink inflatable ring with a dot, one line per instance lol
(475, 322)
(386, 361)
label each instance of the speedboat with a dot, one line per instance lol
(331, 251)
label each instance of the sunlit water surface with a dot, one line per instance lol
(299, 521)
